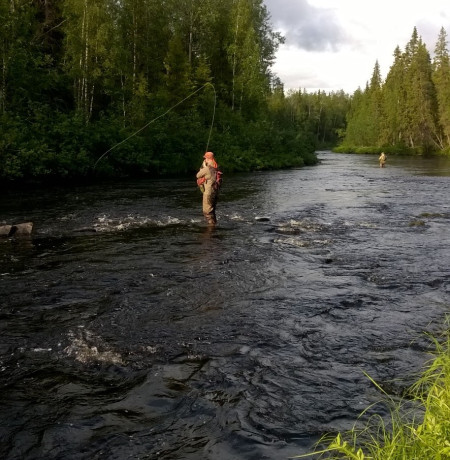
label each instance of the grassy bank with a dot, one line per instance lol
(390, 150)
(404, 437)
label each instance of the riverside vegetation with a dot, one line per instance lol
(78, 78)
(422, 432)
(409, 112)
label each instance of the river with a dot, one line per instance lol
(131, 330)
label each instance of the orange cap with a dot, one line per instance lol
(209, 155)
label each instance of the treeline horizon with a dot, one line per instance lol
(408, 112)
(79, 77)
(119, 88)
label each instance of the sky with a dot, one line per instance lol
(333, 45)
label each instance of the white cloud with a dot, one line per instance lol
(334, 44)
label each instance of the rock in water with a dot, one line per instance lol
(21, 229)
(5, 230)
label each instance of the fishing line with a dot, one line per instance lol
(165, 113)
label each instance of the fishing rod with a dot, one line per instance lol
(165, 113)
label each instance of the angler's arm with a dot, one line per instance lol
(202, 173)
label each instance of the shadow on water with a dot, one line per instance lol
(130, 329)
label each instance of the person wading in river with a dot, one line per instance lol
(382, 160)
(207, 175)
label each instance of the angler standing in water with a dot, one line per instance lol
(382, 159)
(209, 178)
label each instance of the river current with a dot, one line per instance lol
(131, 330)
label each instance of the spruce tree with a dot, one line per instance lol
(441, 79)
(393, 97)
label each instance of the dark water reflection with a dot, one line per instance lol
(131, 330)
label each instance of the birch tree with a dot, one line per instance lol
(88, 32)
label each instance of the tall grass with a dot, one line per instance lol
(403, 437)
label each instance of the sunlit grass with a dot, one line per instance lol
(403, 437)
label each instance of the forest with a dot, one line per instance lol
(171, 77)
(120, 88)
(409, 112)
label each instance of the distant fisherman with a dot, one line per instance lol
(382, 160)
(207, 176)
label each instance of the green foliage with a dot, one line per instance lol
(410, 110)
(318, 118)
(441, 79)
(83, 81)
(389, 150)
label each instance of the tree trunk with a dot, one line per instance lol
(3, 87)
(134, 49)
(234, 65)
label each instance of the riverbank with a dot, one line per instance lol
(392, 150)
(248, 162)
(404, 437)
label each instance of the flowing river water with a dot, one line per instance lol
(131, 330)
